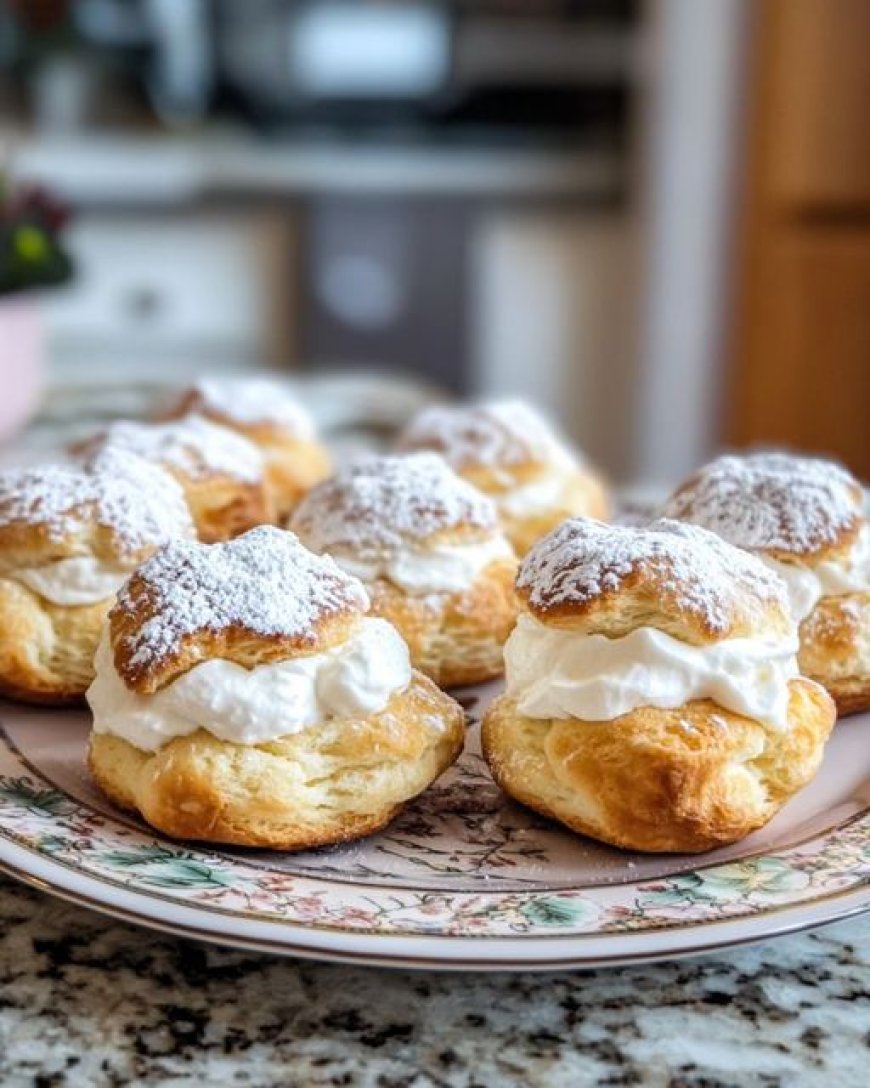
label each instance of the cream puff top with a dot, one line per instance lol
(802, 516)
(618, 618)
(194, 446)
(408, 520)
(491, 435)
(92, 523)
(252, 402)
(249, 640)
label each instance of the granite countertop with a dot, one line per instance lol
(86, 1001)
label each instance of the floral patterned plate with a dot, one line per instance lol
(462, 879)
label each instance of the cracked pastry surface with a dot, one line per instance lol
(243, 695)
(804, 517)
(269, 416)
(508, 451)
(221, 472)
(70, 535)
(653, 696)
(429, 549)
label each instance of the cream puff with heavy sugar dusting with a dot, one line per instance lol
(243, 695)
(804, 517)
(429, 549)
(265, 412)
(653, 698)
(511, 453)
(70, 535)
(221, 472)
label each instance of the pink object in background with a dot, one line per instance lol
(21, 363)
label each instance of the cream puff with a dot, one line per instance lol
(804, 517)
(244, 696)
(70, 535)
(653, 699)
(507, 450)
(265, 412)
(428, 547)
(220, 471)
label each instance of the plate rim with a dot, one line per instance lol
(674, 937)
(343, 946)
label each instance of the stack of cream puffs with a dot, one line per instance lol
(244, 695)
(264, 412)
(221, 472)
(429, 549)
(653, 697)
(804, 518)
(668, 682)
(507, 450)
(70, 536)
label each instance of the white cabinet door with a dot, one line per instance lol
(555, 321)
(163, 288)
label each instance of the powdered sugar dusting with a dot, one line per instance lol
(375, 505)
(582, 560)
(252, 401)
(139, 502)
(193, 445)
(264, 582)
(492, 435)
(771, 502)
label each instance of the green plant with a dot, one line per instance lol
(32, 254)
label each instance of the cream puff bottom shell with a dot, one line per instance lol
(454, 638)
(682, 780)
(327, 784)
(47, 650)
(835, 649)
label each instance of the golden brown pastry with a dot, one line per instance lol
(242, 695)
(428, 547)
(220, 471)
(653, 699)
(69, 537)
(803, 517)
(507, 450)
(265, 412)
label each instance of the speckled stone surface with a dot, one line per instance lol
(86, 1001)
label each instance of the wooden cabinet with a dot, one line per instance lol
(801, 352)
(818, 52)
(806, 377)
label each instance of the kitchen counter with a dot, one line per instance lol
(160, 169)
(86, 1001)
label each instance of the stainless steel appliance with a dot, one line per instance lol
(486, 69)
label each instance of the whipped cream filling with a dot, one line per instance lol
(562, 674)
(450, 568)
(80, 580)
(831, 578)
(255, 706)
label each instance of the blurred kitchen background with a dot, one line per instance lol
(653, 218)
